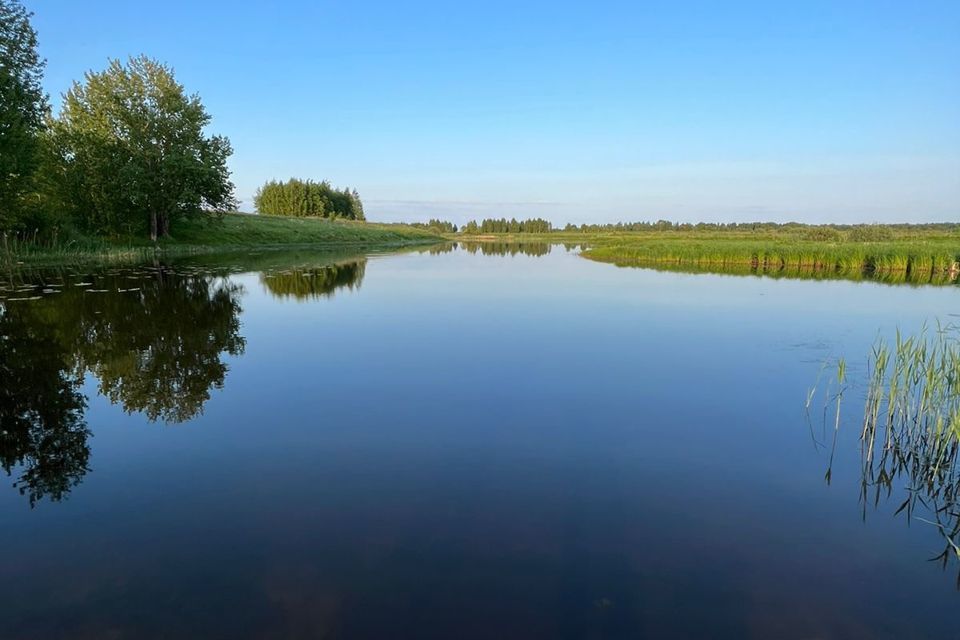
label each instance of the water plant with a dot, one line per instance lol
(910, 432)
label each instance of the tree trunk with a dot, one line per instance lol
(153, 226)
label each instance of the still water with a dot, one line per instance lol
(458, 443)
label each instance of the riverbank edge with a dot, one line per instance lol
(133, 254)
(229, 234)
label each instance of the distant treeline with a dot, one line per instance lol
(308, 198)
(824, 232)
(441, 226)
(489, 225)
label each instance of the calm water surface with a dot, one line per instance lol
(448, 444)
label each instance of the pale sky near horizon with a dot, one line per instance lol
(836, 111)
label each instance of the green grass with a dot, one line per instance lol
(233, 231)
(246, 230)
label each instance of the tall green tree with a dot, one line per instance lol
(133, 152)
(22, 108)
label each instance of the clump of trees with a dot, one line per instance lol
(489, 225)
(308, 198)
(441, 226)
(127, 154)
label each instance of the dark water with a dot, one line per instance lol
(460, 443)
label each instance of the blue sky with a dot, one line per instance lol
(815, 111)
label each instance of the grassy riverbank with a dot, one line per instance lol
(900, 252)
(230, 232)
(919, 261)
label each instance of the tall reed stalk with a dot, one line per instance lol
(910, 434)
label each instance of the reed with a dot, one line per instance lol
(910, 433)
(932, 261)
(916, 382)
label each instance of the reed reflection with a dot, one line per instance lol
(899, 277)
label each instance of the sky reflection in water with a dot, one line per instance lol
(464, 442)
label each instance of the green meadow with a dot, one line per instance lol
(232, 231)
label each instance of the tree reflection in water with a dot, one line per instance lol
(305, 283)
(42, 430)
(503, 248)
(154, 339)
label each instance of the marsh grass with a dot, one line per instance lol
(910, 432)
(934, 261)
